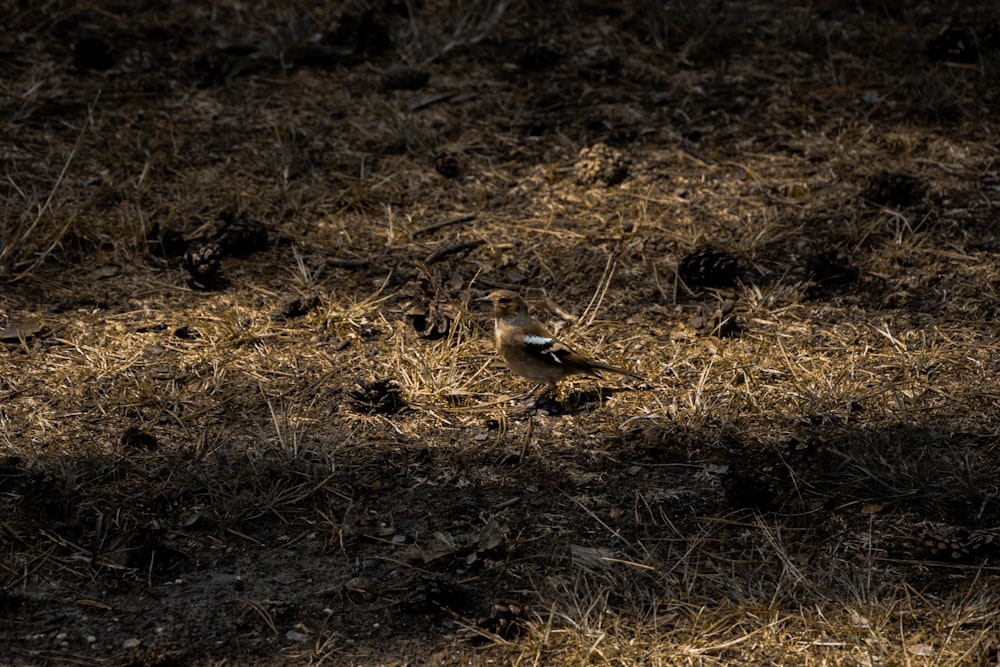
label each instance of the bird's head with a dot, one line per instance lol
(506, 303)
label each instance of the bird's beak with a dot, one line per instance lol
(483, 298)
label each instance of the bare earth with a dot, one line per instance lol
(250, 413)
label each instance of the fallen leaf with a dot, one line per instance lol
(922, 650)
(592, 556)
(440, 544)
(492, 535)
(19, 330)
(104, 272)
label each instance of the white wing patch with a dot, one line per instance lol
(540, 341)
(544, 346)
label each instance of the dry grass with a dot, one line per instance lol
(210, 476)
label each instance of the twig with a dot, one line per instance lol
(48, 201)
(262, 612)
(596, 518)
(441, 253)
(346, 263)
(445, 223)
(602, 288)
(659, 286)
(559, 311)
(426, 101)
(698, 156)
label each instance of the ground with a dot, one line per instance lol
(250, 411)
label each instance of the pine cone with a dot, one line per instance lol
(240, 235)
(601, 165)
(377, 397)
(956, 544)
(204, 267)
(888, 189)
(707, 267)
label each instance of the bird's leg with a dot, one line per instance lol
(526, 397)
(546, 389)
(548, 395)
(536, 388)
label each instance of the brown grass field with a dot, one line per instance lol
(250, 410)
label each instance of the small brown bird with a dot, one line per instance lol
(531, 351)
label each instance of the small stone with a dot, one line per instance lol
(295, 636)
(660, 98)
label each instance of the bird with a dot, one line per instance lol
(532, 351)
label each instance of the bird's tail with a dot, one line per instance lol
(615, 369)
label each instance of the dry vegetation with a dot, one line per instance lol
(249, 409)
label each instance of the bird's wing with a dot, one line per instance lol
(553, 351)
